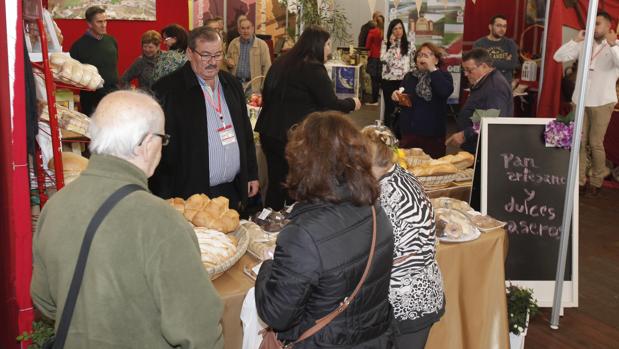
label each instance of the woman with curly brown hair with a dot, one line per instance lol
(321, 254)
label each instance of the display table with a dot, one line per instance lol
(476, 310)
(232, 287)
(474, 280)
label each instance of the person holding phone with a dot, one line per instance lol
(397, 58)
(423, 98)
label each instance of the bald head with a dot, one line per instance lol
(122, 120)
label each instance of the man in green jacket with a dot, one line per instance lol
(144, 284)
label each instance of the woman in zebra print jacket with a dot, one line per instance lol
(416, 288)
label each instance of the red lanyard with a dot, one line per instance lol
(210, 101)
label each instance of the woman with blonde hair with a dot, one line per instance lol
(416, 290)
(144, 66)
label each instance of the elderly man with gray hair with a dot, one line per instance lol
(143, 284)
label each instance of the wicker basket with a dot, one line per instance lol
(432, 182)
(243, 241)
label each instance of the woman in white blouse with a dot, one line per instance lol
(397, 55)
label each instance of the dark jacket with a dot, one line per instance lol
(319, 259)
(492, 92)
(184, 168)
(427, 118)
(305, 89)
(363, 33)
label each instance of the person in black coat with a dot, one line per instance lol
(322, 253)
(297, 84)
(424, 124)
(489, 90)
(211, 149)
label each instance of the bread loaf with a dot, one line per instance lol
(437, 169)
(461, 160)
(189, 213)
(213, 214)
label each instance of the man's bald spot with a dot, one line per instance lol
(120, 105)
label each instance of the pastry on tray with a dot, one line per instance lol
(453, 224)
(270, 221)
(486, 222)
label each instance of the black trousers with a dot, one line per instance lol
(229, 191)
(414, 340)
(388, 87)
(274, 151)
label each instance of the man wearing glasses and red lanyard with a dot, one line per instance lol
(211, 149)
(600, 99)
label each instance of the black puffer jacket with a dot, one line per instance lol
(319, 259)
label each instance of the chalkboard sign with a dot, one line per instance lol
(524, 184)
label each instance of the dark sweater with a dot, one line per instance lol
(427, 118)
(504, 53)
(492, 92)
(103, 54)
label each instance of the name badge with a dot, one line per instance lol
(226, 134)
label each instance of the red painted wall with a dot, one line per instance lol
(15, 218)
(128, 33)
(477, 16)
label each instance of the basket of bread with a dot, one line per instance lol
(435, 173)
(409, 158)
(70, 71)
(222, 244)
(440, 173)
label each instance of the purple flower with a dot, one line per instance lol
(559, 134)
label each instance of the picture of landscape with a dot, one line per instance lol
(138, 10)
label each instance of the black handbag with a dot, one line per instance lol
(57, 342)
(395, 122)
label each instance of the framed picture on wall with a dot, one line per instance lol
(201, 10)
(137, 10)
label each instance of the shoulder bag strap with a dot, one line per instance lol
(322, 322)
(78, 275)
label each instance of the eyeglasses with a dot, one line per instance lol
(165, 138)
(206, 57)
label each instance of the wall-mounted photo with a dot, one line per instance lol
(136, 10)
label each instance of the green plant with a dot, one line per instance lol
(520, 305)
(41, 332)
(328, 15)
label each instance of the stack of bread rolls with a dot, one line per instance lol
(69, 70)
(202, 211)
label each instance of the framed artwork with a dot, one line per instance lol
(136, 10)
